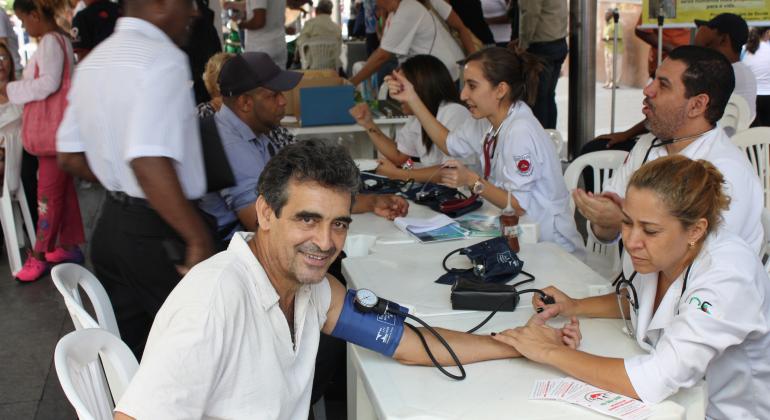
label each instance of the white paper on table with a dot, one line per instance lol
(608, 403)
(420, 225)
(576, 392)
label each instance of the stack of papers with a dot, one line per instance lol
(480, 225)
(576, 392)
(437, 228)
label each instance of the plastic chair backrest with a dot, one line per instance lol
(736, 116)
(766, 228)
(78, 358)
(755, 142)
(67, 278)
(602, 163)
(13, 151)
(556, 138)
(320, 53)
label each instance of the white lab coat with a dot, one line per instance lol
(729, 344)
(526, 164)
(744, 217)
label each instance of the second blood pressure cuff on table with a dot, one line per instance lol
(380, 333)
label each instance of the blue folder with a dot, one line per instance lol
(328, 105)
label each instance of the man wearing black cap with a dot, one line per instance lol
(252, 105)
(726, 33)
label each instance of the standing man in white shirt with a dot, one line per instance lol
(265, 32)
(131, 126)
(682, 106)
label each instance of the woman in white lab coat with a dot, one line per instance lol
(697, 296)
(515, 152)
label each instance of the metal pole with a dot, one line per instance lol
(582, 74)
(661, 18)
(614, 81)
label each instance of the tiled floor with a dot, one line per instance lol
(33, 316)
(32, 319)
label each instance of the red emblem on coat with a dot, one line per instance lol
(523, 166)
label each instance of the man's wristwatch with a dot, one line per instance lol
(477, 187)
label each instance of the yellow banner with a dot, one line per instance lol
(682, 13)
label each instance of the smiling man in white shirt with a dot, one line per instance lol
(238, 337)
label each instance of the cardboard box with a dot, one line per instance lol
(311, 78)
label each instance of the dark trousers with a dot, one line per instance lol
(130, 258)
(595, 146)
(330, 361)
(763, 112)
(553, 54)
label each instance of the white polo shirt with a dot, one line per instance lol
(746, 86)
(525, 163)
(220, 346)
(744, 217)
(409, 137)
(271, 38)
(413, 30)
(132, 97)
(719, 328)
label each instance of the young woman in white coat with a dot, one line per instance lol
(515, 153)
(694, 296)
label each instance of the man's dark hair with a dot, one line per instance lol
(708, 72)
(432, 83)
(307, 161)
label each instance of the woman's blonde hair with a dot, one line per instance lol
(211, 73)
(690, 189)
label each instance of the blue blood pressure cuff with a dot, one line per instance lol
(380, 333)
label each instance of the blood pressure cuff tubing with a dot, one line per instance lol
(380, 333)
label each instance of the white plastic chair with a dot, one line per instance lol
(737, 115)
(78, 358)
(560, 143)
(604, 259)
(13, 202)
(763, 252)
(755, 142)
(320, 53)
(67, 277)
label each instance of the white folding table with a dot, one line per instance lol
(394, 266)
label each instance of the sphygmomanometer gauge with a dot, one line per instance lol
(366, 300)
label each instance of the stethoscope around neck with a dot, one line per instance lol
(656, 142)
(621, 280)
(490, 142)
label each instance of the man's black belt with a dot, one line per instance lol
(126, 199)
